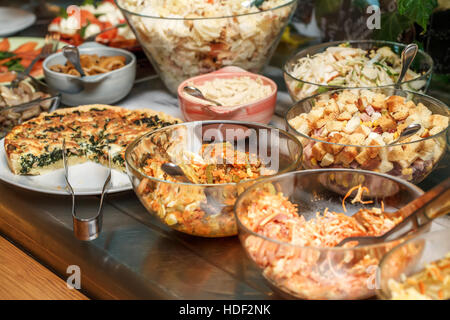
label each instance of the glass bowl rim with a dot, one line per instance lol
(336, 43)
(438, 102)
(288, 3)
(135, 171)
(380, 292)
(405, 183)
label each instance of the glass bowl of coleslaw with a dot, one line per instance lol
(218, 160)
(353, 64)
(289, 225)
(185, 38)
(358, 128)
(418, 269)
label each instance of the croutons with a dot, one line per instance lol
(394, 101)
(318, 151)
(387, 123)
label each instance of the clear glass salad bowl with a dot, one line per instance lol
(308, 272)
(300, 88)
(414, 166)
(411, 257)
(203, 209)
(180, 47)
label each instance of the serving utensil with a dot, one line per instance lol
(407, 132)
(408, 55)
(195, 92)
(417, 213)
(73, 55)
(86, 228)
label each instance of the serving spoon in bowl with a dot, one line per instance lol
(73, 56)
(407, 132)
(417, 213)
(408, 55)
(195, 92)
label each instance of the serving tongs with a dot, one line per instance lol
(86, 228)
(417, 213)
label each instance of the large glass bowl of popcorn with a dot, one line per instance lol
(358, 128)
(185, 38)
(353, 64)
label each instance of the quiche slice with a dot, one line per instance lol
(35, 146)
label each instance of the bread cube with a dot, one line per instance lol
(385, 166)
(379, 101)
(318, 151)
(387, 123)
(347, 155)
(394, 102)
(335, 125)
(327, 160)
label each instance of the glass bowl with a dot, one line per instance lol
(410, 258)
(308, 272)
(412, 166)
(204, 209)
(300, 89)
(180, 48)
(45, 101)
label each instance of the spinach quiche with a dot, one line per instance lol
(35, 146)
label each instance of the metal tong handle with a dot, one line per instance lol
(417, 213)
(86, 228)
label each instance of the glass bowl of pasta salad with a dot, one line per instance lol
(418, 269)
(185, 38)
(353, 64)
(217, 160)
(359, 128)
(290, 226)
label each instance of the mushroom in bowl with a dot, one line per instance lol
(99, 84)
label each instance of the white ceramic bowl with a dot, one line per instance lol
(105, 88)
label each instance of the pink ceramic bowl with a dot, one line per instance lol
(258, 111)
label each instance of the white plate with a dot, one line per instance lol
(13, 20)
(86, 178)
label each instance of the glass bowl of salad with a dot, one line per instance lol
(290, 226)
(216, 160)
(418, 269)
(353, 64)
(185, 38)
(359, 128)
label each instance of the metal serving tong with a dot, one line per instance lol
(86, 228)
(416, 214)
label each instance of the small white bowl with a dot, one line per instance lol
(106, 88)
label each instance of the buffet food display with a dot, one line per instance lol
(184, 38)
(224, 172)
(358, 129)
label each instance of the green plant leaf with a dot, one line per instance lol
(417, 10)
(392, 26)
(6, 55)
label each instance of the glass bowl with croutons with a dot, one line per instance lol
(23, 101)
(360, 129)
